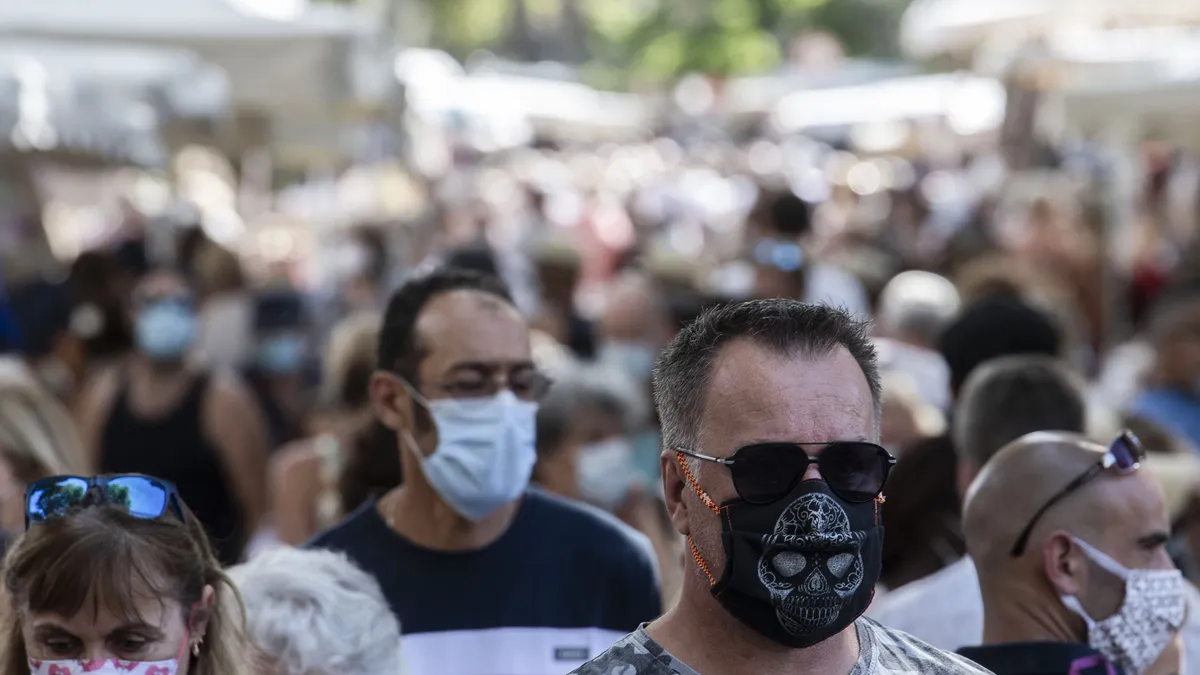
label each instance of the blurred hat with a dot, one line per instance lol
(992, 327)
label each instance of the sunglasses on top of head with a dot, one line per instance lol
(1124, 456)
(141, 496)
(855, 471)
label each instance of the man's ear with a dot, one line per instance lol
(1064, 567)
(391, 401)
(675, 489)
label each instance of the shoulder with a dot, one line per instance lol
(631, 655)
(295, 461)
(358, 527)
(585, 528)
(944, 608)
(895, 652)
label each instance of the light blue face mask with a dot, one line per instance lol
(485, 451)
(605, 473)
(165, 330)
(633, 358)
(282, 354)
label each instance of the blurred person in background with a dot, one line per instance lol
(584, 452)
(483, 574)
(306, 476)
(782, 520)
(785, 269)
(1003, 400)
(557, 267)
(361, 265)
(1171, 395)
(199, 428)
(907, 418)
(1069, 540)
(315, 613)
(37, 439)
(279, 375)
(923, 510)
(634, 327)
(116, 575)
(225, 320)
(914, 308)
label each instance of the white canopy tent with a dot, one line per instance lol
(301, 66)
(959, 27)
(187, 85)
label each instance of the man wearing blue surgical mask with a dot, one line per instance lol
(1068, 537)
(156, 414)
(485, 575)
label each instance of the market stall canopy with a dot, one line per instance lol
(933, 28)
(179, 80)
(298, 66)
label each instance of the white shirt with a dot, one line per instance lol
(945, 609)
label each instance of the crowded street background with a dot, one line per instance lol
(633, 337)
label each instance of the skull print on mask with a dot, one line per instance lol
(799, 570)
(809, 587)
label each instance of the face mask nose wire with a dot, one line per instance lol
(708, 501)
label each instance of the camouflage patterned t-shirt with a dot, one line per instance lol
(881, 651)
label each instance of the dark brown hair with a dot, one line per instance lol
(102, 555)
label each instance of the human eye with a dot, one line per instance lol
(129, 644)
(62, 645)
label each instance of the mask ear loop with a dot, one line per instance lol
(708, 501)
(187, 635)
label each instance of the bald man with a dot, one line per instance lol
(1072, 565)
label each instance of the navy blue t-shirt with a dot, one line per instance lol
(558, 588)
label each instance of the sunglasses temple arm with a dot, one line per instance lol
(1023, 539)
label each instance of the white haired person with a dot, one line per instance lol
(914, 308)
(313, 612)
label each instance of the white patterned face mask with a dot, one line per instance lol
(1151, 615)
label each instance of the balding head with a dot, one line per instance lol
(1121, 515)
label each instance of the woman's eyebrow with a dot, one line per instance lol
(150, 631)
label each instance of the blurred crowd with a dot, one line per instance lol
(286, 412)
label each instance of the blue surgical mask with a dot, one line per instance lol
(165, 330)
(485, 452)
(605, 473)
(282, 354)
(633, 358)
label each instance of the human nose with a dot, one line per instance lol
(813, 472)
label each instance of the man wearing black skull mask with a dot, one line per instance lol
(773, 472)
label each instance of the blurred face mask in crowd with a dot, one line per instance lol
(1150, 616)
(635, 359)
(485, 451)
(605, 473)
(165, 329)
(282, 354)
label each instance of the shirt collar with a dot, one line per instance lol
(1040, 658)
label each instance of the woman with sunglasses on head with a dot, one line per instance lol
(116, 576)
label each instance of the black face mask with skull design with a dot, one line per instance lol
(802, 569)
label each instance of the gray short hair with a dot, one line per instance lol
(590, 387)
(314, 612)
(681, 376)
(1008, 397)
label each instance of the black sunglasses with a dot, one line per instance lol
(143, 497)
(1124, 456)
(766, 472)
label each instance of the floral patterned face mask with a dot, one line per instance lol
(104, 667)
(110, 666)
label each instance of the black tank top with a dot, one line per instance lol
(174, 447)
